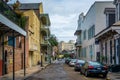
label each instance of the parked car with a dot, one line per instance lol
(72, 62)
(67, 60)
(94, 68)
(114, 72)
(78, 64)
(114, 68)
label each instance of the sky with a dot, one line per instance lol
(63, 15)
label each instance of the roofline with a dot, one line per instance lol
(31, 3)
(94, 4)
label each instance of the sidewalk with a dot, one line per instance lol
(113, 76)
(19, 75)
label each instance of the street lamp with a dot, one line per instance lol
(41, 60)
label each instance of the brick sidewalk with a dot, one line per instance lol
(19, 75)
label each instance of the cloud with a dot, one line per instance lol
(63, 15)
(63, 26)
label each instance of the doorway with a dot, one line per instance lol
(31, 58)
(118, 51)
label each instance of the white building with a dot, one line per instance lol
(88, 26)
(109, 38)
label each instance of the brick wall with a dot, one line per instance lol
(18, 59)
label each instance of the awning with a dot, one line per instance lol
(45, 19)
(8, 26)
(112, 30)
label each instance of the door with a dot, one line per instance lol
(5, 62)
(118, 51)
(31, 58)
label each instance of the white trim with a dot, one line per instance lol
(116, 28)
(103, 32)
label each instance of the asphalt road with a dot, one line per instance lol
(60, 71)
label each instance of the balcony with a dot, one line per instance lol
(45, 31)
(77, 32)
(45, 19)
(78, 44)
(44, 43)
(9, 21)
(6, 11)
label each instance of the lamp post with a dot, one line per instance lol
(41, 60)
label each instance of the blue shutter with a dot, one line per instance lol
(10, 41)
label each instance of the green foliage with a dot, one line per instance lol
(103, 58)
(66, 55)
(14, 16)
(53, 40)
(22, 22)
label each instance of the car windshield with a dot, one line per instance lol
(95, 63)
(73, 60)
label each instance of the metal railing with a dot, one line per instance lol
(44, 42)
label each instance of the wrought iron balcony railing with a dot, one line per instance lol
(9, 13)
(44, 42)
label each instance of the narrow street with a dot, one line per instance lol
(60, 71)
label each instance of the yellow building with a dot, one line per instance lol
(38, 32)
(33, 37)
(44, 36)
(32, 11)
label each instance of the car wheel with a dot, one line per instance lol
(86, 73)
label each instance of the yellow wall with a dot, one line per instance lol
(41, 8)
(33, 35)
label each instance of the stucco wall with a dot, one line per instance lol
(95, 16)
(34, 35)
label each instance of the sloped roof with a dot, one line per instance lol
(29, 6)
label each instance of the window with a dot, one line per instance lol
(90, 50)
(110, 19)
(91, 32)
(118, 12)
(84, 52)
(84, 35)
(111, 52)
(10, 41)
(20, 43)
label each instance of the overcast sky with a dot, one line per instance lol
(63, 15)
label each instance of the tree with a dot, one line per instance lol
(53, 40)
